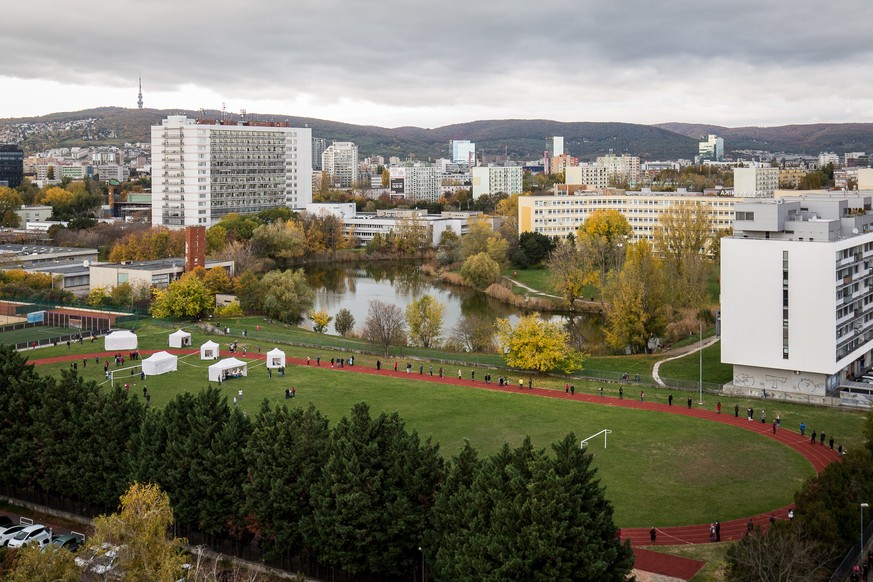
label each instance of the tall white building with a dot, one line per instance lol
(593, 175)
(826, 158)
(621, 169)
(417, 183)
(557, 146)
(712, 148)
(204, 169)
(496, 180)
(755, 182)
(340, 162)
(463, 152)
(797, 294)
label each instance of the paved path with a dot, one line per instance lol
(818, 455)
(681, 353)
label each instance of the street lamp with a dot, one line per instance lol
(861, 550)
(700, 351)
(423, 578)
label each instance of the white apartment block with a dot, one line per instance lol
(340, 161)
(623, 168)
(463, 152)
(557, 146)
(204, 169)
(755, 182)
(826, 158)
(593, 175)
(417, 183)
(797, 295)
(496, 180)
(712, 148)
(562, 215)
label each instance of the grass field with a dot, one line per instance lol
(687, 368)
(34, 334)
(539, 279)
(659, 468)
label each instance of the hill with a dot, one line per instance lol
(519, 138)
(802, 139)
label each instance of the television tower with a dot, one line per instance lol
(139, 100)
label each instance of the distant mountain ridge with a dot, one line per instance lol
(520, 139)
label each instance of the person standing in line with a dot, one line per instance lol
(234, 401)
(567, 388)
(669, 400)
(473, 375)
(642, 396)
(751, 414)
(802, 429)
(790, 514)
(778, 421)
(431, 369)
(831, 443)
(763, 417)
(718, 407)
(317, 360)
(620, 393)
(749, 526)
(521, 383)
(653, 535)
(689, 403)
(460, 375)
(530, 383)
(378, 365)
(601, 390)
(812, 440)
(395, 365)
(772, 519)
(774, 427)
(736, 410)
(717, 531)
(420, 369)
(573, 392)
(821, 438)
(711, 532)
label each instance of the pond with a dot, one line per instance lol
(353, 286)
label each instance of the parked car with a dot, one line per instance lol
(8, 533)
(36, 534)
(70, 542)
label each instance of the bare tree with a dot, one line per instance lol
(385, 324)
(785, 552)
(475, 333)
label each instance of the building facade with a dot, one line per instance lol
(623, 169)
(496, 180)
(797, 294)
(593, 175)
(204, 169)
(11, 165)
(756, 182)
(340, 162)
(712, 148)
(463, 152)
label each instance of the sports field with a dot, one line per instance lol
(37, 333)
(658, 467)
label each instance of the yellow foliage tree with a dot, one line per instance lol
(187, 297)
(51, 563)
(320, 320)
(534, 344)
(602, 238)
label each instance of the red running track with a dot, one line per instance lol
(820, 456)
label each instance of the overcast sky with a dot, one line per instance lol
(428, 64)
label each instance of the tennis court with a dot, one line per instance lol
(34, 334)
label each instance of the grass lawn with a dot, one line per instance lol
(712, 554)
(17, 336)
(658, 468)
(688, 367)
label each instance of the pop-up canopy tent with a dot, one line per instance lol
(227, 368)
(209, 351)
(180, 339)
(120, 340)
(275, 358)
(159, 363)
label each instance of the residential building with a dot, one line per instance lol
(33, 214)
(826, 158)
(340, 162)
(865, 179)
(623, 169)
(855, 159)
(115, 172)
(416, 182)
(712, 148)
(756, 181)
(204, 169)
(593, 175)
(557, 147)
(463, 152)
(797, 294)
(561, 215)
(791, 177)
(496, 180)
(560, 163)
(319, 144)
(11, 165)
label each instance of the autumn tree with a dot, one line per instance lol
(602, 238)
(148, 245)
(282, 241)
(566, 271)
(474, 333)
(424, 317)
(481, 238)
(320, 320)
(286, 295)
(49, 563)
(535, 344)
(412, 235)
(682, 239)
(10, 201)
(636, 300)
(480, 270)
(187, 297)
(216, 239)
(344, 322)
(217, 281)
(384, 324)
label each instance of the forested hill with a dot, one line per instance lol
(802, 139)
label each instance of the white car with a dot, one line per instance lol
(32, 534)
(9, 533)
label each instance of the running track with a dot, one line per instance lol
(820, 456)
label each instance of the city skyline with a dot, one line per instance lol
(737, 64)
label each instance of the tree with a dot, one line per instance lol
(424, 317)
(475, 333)
(536, 246)
(216, 239)
(785, 552)
(320, 320)
(412, 236)
(218, 281)
(286, 295)
(49, 563)
(10, 201)
(566, 273)
(249, 292)
(187, 297)
(344, 322)
(601, 239)
(480, 270)
(384, 325)
(636, 301)
(534, 344)
(478, 237)
(140, 534)
(682, 238)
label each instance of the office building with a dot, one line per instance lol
(11, 165)
(463, 152)
(557, 146)
(340, 162)
(496, 180)
(204, 169)
(712, 149)
(797, 295)
(755, 181)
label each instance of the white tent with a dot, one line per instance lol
(159, 363)
(180, 339)
(275, 358)
(120, 340)
(227, 368)
(209, 351)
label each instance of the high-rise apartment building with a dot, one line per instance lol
(340, 162)
(496, 180)
(755, 182)
(463, 152)
(593, 175)
(204, 169)
(712, 149)
(319, 144)
(11, 165)
(557, 146)
(623, 169)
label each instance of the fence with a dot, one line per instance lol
(854, 556)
